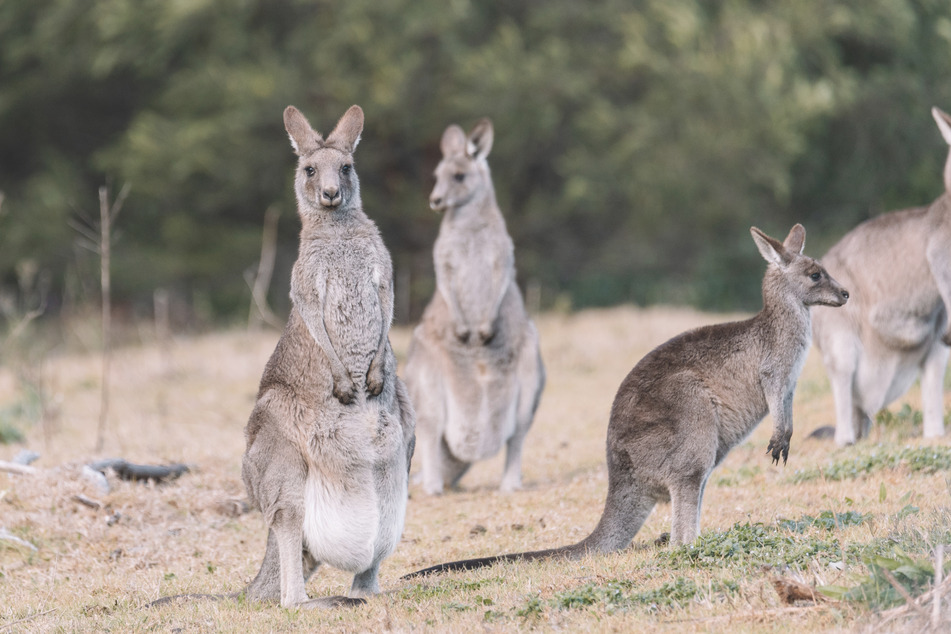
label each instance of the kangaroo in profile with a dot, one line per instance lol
(474, 370)
(899, 268)
(689, 401)
(330, 439)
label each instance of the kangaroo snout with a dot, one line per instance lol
(330, 197)
(436, 203)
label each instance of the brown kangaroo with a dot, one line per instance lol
(331, 437)
(897, 327)
(688, 402)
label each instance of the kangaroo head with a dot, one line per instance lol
(944, 124)
(325, 176)
(463, 172)
(800, 275)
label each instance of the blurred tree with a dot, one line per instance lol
(636, 142)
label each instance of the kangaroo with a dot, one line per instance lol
(689, 401)
(331, 436)
(474, 370)
(899, 267)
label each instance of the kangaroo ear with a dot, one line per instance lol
(453, 141)
(771, 249)
(304, 139)
(795, 242)
(346, 134)
(479, 143)
(944, 123)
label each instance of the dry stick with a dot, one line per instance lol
(107, 214)
(25, 619)
(909, 600)
(889, 615)
(938, 571)
(265, 269)
(13, 467)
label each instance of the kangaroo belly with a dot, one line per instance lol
(356, 488)
(480, 409)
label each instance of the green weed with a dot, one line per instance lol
(826, 519)
(877, 591)
(917, 459)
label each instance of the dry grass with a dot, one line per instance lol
(88, 574)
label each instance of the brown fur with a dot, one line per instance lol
(688, 402)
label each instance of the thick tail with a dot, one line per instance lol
(575, 551)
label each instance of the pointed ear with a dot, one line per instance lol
(453, 141)
(304, 139)
(771, 249)
(346, 134)
(795, 242)
(479, 143)
(944, 123)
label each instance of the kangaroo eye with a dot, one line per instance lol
(310, 171)
(815, 277)
(459, 177)
(346, 168)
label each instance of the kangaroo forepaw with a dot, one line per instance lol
(345, 391)
(375, 382)
(946, 338)
(486, 335)
(778, 448)
(462, 334)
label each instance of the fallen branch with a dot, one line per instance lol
(91, 503)
(138, 472)
(13, 467)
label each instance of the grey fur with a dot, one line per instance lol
(688, 402)
(330, 439)
(474, 369)
(899, 268)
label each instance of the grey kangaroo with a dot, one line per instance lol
(899, 267)
(330, 439)
(688, 402)
(474, 370)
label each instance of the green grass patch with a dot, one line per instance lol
(916, 459)
(750, 545)
(827, 520)
(618, 594)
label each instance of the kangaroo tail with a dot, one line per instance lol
(574, 551)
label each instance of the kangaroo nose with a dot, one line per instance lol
(330, 194)
(845, 294)
(435, 202)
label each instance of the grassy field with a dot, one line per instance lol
(819, 520)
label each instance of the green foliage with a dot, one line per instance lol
(635, 142)
(750, 545)
(876, 591)
(923, 459)
(617, 594)
(827, 520)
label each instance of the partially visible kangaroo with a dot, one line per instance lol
(898, 266)
(330, 439)
(474, 370)
(692, 399)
